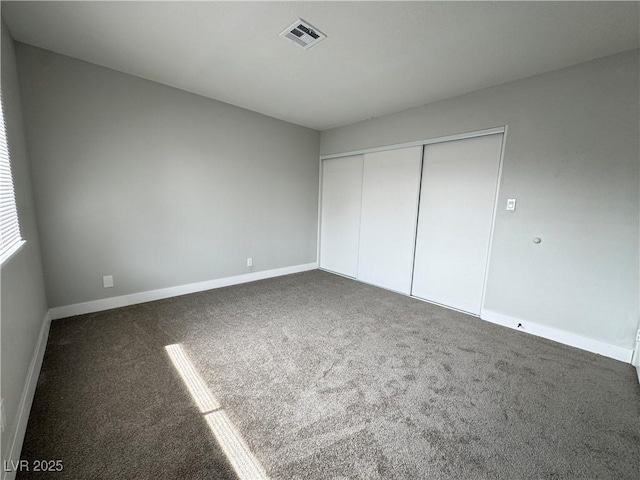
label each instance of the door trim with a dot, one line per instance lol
(417, 143)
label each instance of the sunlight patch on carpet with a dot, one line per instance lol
(235, 448)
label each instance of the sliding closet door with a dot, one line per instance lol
(390, 186)
(340, 219)
(459, 183)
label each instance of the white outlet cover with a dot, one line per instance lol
(107, 281)
(3, 416)
(511, 204)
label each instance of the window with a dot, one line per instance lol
(10, 238)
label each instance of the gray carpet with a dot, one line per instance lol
(327, 378)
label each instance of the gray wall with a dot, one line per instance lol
(571, 160)
(156, 186)
(23, 302)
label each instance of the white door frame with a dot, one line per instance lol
(446, 138)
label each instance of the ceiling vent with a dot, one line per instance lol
(303, 34)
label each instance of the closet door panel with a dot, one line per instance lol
(390, 189)
(340, 217)
(459, 183)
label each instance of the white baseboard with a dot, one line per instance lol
(635, 361)
(573, 340)
(17, 436)
(143, 297)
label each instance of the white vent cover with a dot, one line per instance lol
(303, 34)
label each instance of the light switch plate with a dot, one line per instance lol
(511, 204)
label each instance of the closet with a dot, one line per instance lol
(416, 220)
(459, 183)
(340, 218)
(390, 188)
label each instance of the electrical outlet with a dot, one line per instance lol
(638, 337)
(107, 281)
(3, 421)
(249, 262)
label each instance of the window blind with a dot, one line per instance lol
(10, 238)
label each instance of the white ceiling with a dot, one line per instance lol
(378, 58)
